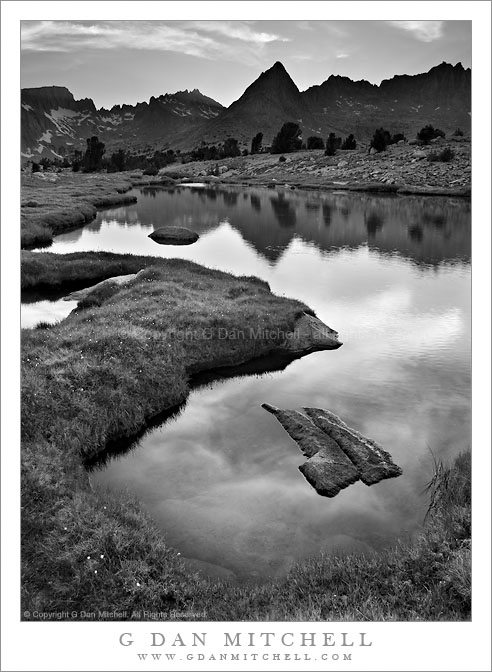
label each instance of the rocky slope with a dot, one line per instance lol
(403, 104)
(402, 166)
(54, 124)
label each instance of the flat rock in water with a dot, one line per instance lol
(337, 454)
(174, 235)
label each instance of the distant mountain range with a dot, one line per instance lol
(54, 123)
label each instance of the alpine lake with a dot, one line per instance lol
(391, 274)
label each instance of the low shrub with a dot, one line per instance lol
(281, 159)
(428, 133)
(332, 144)
(315, 142)
(397, 137)
(443, 157)
(349, 142)
(380, 140)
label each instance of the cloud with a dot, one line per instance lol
(203, 39)
(300, 58)
(305, 25)
(72, 36)
(341, 54)
(237, 30)
(424, 31)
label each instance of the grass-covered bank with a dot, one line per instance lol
(101, 374)
(96, 377)
(45, 270)
(64, 201)
(426, 579)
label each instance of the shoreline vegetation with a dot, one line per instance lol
(53, 203)
(100, 376)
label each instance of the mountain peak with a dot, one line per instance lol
(273, 81)
(277, 70)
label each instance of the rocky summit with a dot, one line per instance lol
(54, 124)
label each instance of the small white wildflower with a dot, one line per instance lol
(65, 528)
(179, 553)
(138, 584)
(88, 557)
(95, 571)
(102, 556)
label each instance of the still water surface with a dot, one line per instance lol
(392, 276)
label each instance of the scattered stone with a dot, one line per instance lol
(337, 454)
(174, 235)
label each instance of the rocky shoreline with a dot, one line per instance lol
(402, 168)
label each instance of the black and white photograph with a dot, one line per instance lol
(244, 357)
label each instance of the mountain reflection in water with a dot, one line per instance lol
(426, 230)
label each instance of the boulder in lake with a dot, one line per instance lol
(309, 335)
(337, 454)
(174, 235)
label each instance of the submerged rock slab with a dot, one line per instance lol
(174, 235)
(337, 454)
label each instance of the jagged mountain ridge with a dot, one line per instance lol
(53, 122)
(404, 103)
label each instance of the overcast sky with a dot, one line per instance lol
(116, 62)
